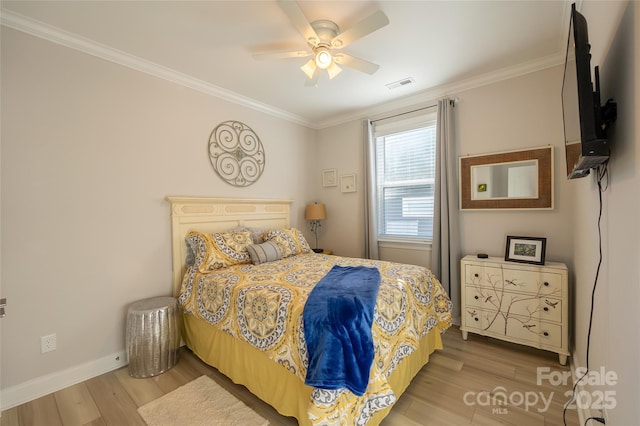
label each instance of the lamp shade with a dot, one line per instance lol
(315, 211)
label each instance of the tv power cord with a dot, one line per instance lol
(602, 173)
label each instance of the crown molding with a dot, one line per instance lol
(450, 89)
(55, 35)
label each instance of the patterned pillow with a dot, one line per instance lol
(219, 250)
(265, 252)
(256, 233)
(289, 241)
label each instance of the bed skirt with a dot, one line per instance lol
(273, 383)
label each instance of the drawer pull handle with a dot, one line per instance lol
(476, 319)
(546, 284)
(546, 334)
(476, 297)
(476, 275)
(546, 309)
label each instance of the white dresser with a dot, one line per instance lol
(516, 302)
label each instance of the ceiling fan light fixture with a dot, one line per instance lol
(323, 58)
(309, 68)
(322, 37)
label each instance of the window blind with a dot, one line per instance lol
(405, 177)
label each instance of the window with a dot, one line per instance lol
(405, 179)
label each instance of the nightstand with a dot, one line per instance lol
(152, 336)
(322, 251)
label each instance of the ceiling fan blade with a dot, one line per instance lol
(365, 27)
(356, 63)
(299, 21)
(283, 55)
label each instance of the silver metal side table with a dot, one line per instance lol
(152, 336)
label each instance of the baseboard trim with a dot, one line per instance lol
(44, 385)
(583, 412)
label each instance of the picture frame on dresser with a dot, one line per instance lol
(525, 250)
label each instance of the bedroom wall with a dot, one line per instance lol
(339, 148)
(520, 113)
(89, 151)
(614, 34)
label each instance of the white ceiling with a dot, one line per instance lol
(443, 45)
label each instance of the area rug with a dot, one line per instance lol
(200, 402)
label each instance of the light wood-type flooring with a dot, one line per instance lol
(453, 389)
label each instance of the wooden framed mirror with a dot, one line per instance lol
(507, 180)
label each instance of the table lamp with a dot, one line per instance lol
(314, 213)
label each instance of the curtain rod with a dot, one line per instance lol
(452, 101)
(404, 113)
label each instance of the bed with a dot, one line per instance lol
(242, 276)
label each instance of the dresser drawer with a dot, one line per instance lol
(471, 319)
(536, 333)
(542, 308)
(542, 283)
(475, 297)
(539, 333)
(485, 276)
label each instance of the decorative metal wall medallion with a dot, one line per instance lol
(236, 153)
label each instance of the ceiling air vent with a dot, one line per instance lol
(400, 83)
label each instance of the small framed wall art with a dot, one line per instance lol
(525, 250)
(329, 177)
(348, 183)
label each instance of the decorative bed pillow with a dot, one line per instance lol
(264, 252)
(256, 233)
(219, 250)
(289, 241)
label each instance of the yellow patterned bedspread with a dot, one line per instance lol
(263, 305)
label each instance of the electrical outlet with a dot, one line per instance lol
(48, 343)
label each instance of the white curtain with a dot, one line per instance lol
(370, 208)
(446, 255)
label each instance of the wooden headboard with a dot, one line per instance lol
(215, 215)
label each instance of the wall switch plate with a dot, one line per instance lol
(48, 343)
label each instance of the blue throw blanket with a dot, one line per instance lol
(338, 316)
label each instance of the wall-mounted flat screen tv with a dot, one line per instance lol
(586, 144)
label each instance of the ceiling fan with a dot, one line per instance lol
(325, 40)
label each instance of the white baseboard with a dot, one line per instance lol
(44, 385)
(583, 412)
